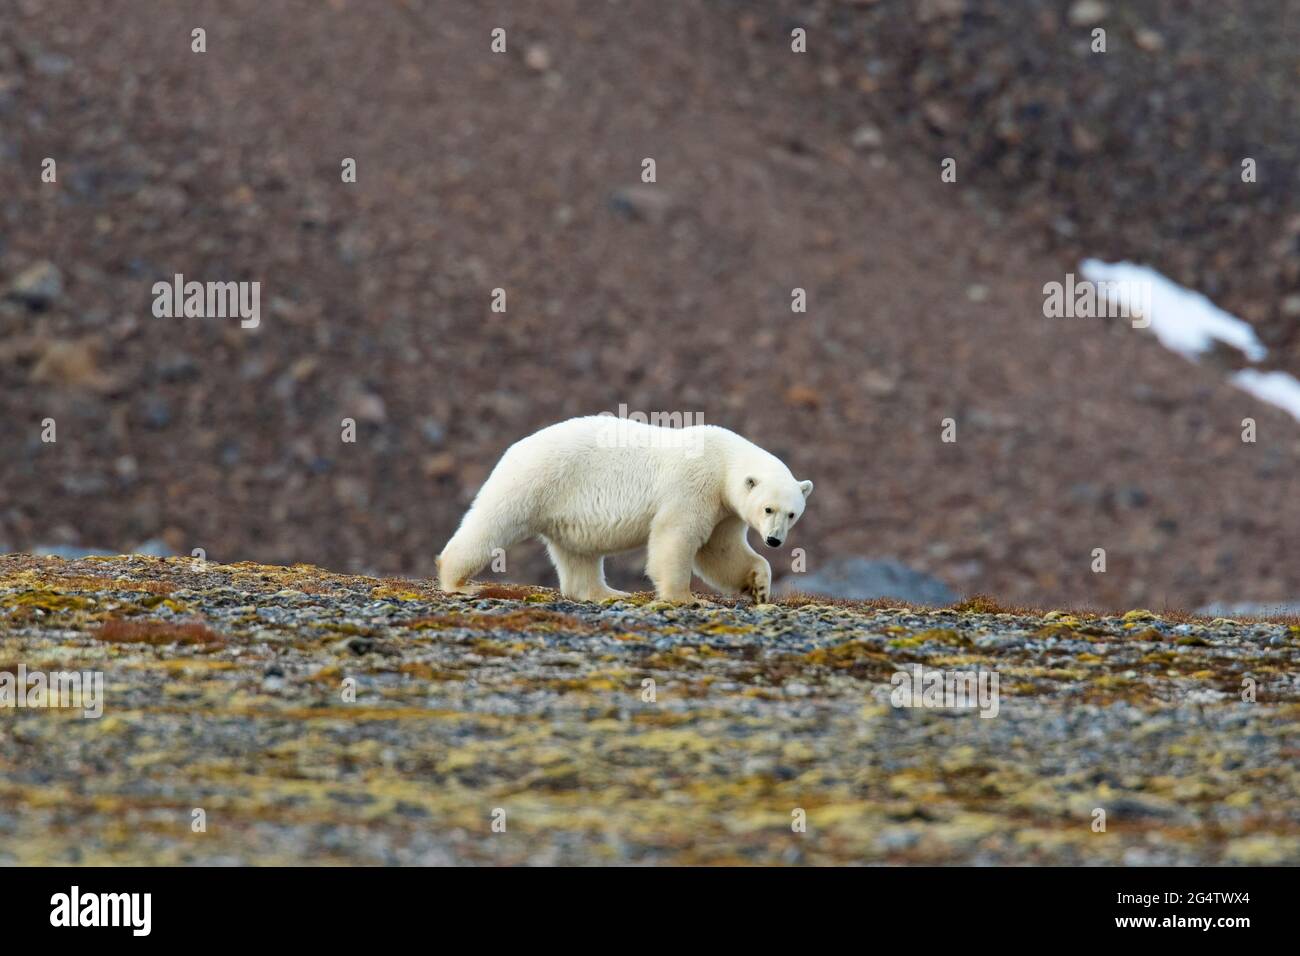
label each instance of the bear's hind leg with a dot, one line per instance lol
(582, 576)
(472, 547)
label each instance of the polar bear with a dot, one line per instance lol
(594, 486)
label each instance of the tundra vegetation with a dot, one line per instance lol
(310, 717)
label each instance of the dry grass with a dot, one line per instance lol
(118, 630)
(506, 592)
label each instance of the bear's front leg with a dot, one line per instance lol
(729, 564)
(758, 582)
(669, 554)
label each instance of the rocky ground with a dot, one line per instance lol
(1134, 152)
(521, 171)
(225, 692)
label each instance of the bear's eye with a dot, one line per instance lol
(791, 514)
(767, 511)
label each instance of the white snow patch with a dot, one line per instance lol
(1188, 323)
(1184, 321)
(1277, 388)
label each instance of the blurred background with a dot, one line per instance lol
(775, 170)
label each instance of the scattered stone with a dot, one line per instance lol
(644, 202)
(433, 431)
(876, 382)
(1086, 13)
(861, 579)
(867, 137)
(211, 660)
(177, 366)
(156, 411)
(1149, 40)
(537, 58)
(38, 286)
(52, 64)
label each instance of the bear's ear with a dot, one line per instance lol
(750, 483)
(806, 488)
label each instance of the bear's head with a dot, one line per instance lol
(771, 503)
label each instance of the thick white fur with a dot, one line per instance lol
(599, 485)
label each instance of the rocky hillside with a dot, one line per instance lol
(1125, 146)
(521, 171)
(321, 718)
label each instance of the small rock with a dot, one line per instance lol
(644, 203)
(370, 408)
(1085, 13)
(537, 58)
(433, 431)
(867, 137)
(875, 382)
(441, 465)
(72, 364)
(801, 396)
(52, 64)
(176, 367)
(37, 286)
(1149, 40)
(861, 579)
(156, 411)
(356, 644)
(937, 115)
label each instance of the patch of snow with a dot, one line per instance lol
(1277, 388)
(1184, 321)
(1188, 323)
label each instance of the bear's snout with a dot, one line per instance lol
(773, 541)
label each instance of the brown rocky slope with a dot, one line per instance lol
(481, 171)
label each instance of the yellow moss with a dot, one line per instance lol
(1063, 618)
(726, 629)
(1137, 615)
(181, 664)
(48, 599)
(396, 594)
(593, 684)
(843, 655)
(939, 635)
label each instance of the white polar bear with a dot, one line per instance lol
(599, 485)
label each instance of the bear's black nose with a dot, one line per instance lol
(773, 542)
